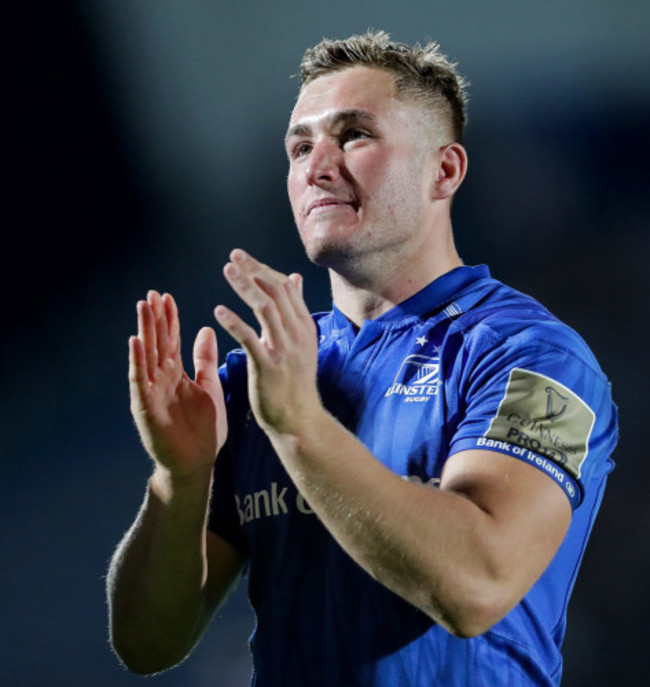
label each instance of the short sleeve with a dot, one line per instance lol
(541, 399)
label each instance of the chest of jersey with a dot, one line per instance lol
(387, 386)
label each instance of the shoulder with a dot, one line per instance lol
(506, 319)
(527, 379)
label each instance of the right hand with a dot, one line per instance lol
(182, 423)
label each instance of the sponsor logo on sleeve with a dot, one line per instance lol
(543, 416)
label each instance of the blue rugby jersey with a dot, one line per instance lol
(465, 363)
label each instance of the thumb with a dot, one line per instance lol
(206, 361)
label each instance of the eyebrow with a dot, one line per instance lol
(333, 120)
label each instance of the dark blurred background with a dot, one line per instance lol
(144, 141)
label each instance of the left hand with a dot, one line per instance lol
(282, 360)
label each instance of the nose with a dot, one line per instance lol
(325, 160)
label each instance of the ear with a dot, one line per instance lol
(451, 170)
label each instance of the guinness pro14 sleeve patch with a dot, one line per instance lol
(540, 414)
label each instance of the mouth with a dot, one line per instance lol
(328, 204)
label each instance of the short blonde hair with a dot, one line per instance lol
(422, 73)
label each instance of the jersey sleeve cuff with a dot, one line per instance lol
(568, 484)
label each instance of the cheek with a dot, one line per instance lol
(382, 189)
(293, 191)
(381, 170)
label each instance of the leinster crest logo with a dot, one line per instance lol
(417, 379)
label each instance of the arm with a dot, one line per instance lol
(168, 574)
(466, 553)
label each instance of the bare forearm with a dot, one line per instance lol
(435, 548)
(156, 581)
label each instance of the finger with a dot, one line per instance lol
(244, 275)
(173, 324)
(288, 299)
(162, 334)
(243, 334)
(287, 294)
(257, 270)
(205, 356)
(254, 282)
(297, 280)
(305, 325)
(263, 302)
(147, 335)
(138, 376)
(298, 297)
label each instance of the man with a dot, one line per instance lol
(409, 480)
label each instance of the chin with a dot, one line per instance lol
(341, 257)
(328, 255)
(336, 247)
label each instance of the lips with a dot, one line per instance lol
(327, 202)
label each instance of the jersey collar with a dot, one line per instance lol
(431, 298)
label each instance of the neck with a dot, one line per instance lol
(369, 288)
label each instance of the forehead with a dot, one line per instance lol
(354, 88)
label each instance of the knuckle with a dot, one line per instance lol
(267, 307)
(271, 286)
(274, 288)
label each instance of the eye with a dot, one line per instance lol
(300, 150)
(352, 135)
